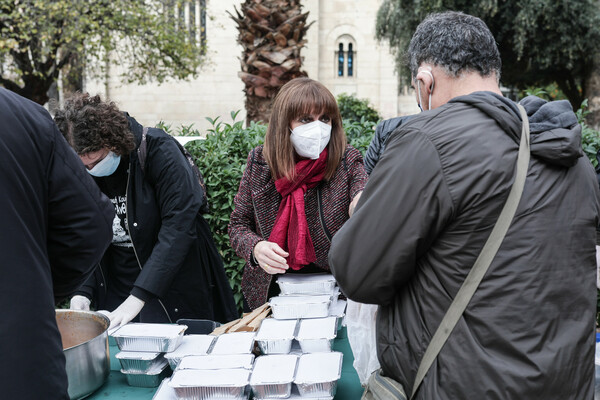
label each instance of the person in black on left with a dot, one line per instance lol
(162, 263)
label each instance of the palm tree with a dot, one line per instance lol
(271, 33)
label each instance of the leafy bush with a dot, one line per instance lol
(355, 109)
(360, 133)
(590, 138)
(221, 157)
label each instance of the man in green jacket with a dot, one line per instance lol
(430, 205)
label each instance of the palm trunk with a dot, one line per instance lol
(271, 33)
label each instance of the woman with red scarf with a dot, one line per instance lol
(297, 191)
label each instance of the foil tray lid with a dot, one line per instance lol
(142, 330)
(317, 328)
(192, 345)
(319, 367)
(276, 329)
(234, 343)
(210, 378)
(305, 278)
(274, 369)
(221, 361)
(298, 300)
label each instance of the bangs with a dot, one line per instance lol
(310, 99)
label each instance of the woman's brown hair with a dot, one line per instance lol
(301, 96)
(89, 125)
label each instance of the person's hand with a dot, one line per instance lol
(127, 311)
(79, 303)
(271, 257)
(354, 203)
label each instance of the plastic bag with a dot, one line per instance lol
(360, 322)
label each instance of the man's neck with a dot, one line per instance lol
(449, 87)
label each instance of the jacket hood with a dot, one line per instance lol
(554, 130)
(135, 127)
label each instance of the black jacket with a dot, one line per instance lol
(429, 206)
(180, 267)
(54, 226)
(377, 145)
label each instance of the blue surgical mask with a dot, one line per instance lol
(107, 166)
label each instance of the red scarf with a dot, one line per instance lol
(291, 229)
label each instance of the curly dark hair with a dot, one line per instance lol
(89, 125)
(456, 42)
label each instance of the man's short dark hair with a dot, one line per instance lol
(455, 42)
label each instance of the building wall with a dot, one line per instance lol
(217, 91)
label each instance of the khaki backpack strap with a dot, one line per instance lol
(469, 286)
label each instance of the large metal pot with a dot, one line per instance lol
(85, 344)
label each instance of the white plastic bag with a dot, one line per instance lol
(360, 322)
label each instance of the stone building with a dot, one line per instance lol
(341, 52)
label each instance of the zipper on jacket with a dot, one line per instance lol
(131, 237)
(103, 283)
(321, 215)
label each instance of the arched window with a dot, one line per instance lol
(345, 57)
(350, 60)
(340, 57)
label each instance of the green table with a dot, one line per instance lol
(116, 386)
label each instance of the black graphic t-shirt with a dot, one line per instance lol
(123, 267)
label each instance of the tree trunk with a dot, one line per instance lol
(592, 93)
(271, 33)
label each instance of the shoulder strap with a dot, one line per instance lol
(469, 286)
(142, 150)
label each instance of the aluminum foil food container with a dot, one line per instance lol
(317, 374)
(316, 335)
(296, 307)
(296, 396)
(273, 375)
(139, 361)
(218, 361)
(275, 336)
(191, 345)
(164, 391)
(149, 337)
(339, 311)
(150, 379)
(306, 284)
(193, 384)
(234, 343)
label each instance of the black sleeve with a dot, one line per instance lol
(179, 198)
(374, 150)
(79, 220)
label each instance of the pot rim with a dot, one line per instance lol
(103, 317)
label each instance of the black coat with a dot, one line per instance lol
(377, 145)
(180, 266)
(429, 206)
(54, 227)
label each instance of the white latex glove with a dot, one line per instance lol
(127, 311)
(80, 303)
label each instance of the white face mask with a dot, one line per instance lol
(310, 139)
(107, 166)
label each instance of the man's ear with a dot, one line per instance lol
(427, 78)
